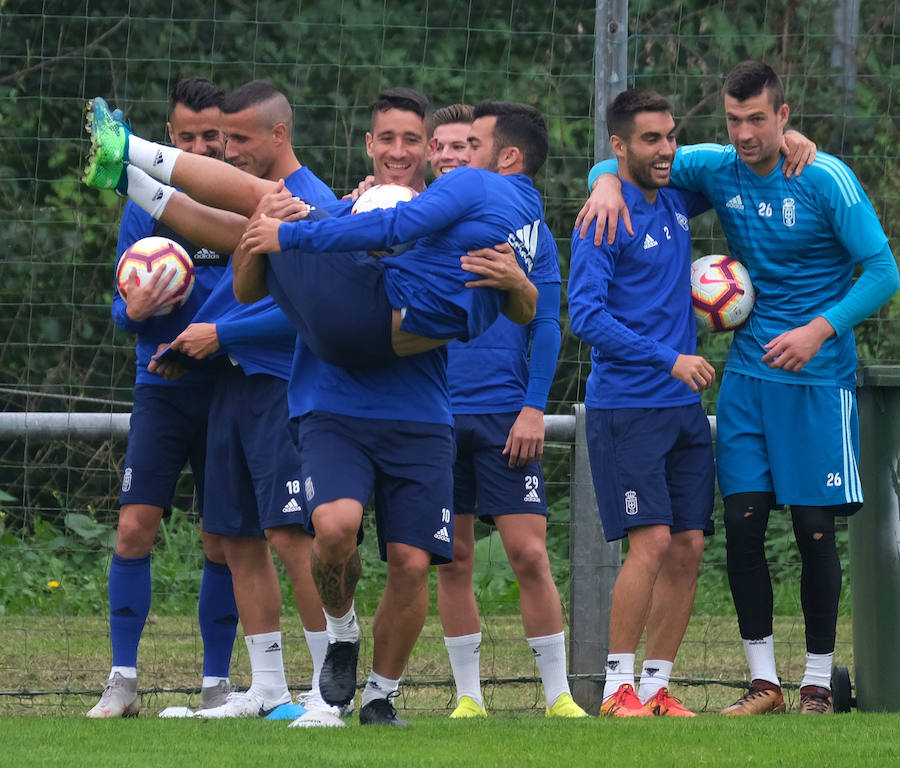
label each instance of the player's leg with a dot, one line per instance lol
(820, 592)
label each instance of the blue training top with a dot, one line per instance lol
(496, 372)
(631, 301)
(208, 268)
(469, 208)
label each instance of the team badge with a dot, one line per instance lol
(309, 488)
(682, 221)
(126, 480)
(631, 503)
(788, 212)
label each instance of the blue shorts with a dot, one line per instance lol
(253, 477)
(797, 441)
(408, 465)
(167, 429)
(337, 301)
(482, 477)
(652, 466)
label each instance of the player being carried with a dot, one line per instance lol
(353, 309)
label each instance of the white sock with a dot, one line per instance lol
(343, 629)
(655, 674)
(550, 656)
(210, 681)
(129, 672)
(318, 645)
(465, 661)
(156, 159)
(377, 687)
(267, 667)
(818, 670)
(619, 670)
(761, 659)
(150, 194)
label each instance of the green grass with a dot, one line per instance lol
(523, 740)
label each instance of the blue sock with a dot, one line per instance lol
(218, 615)
(129, 605)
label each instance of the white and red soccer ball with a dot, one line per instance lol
(722, 293)
(151, 254)
(384, 196)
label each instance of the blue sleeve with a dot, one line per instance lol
(545, 344)
(441, 204)
(262, 327)
(610, 165)
(590, 272)
(874, 287)
(135, 225)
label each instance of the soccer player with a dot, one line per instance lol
(419, 291)
(648, 435)
(168, 428)
(786, 417)
(499, 384)
(253, 472)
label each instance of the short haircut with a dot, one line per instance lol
(455, 113)
(750, 78)
(196, 93)
(518, 125)
(628, 104)
(407, 99)
(257, 93)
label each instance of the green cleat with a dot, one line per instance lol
(102, 176)
(109, 145)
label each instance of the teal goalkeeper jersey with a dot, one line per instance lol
(800, 239)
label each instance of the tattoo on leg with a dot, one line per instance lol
(336, 582)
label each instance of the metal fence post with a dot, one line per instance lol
(594, 566)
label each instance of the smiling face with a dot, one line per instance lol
(448, 148)
(645, 157)
(250, 144)
(398, 148)
(197, 132)
(756, 129)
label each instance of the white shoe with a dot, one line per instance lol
(241, 704)
(323, 717)
(312, 701)
(119, 699)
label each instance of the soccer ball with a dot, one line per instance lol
(149, 255)
(721, 292)
(384, 196)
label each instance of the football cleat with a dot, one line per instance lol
(816, 700)
(468, 707)
(565, 706)
(763, 698)
(109, 146)
(663, 704)
(337, 680)
(212, 696)
(381, 712)
(241, 704)
(120, 698)
(624, 703)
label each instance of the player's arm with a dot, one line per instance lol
(498, 268)
(591, 270)
(525, 442)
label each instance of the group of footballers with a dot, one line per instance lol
(316, 366)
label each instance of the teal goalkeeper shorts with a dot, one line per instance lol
(798, 441)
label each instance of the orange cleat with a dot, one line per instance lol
(624, 703)
(663, 704)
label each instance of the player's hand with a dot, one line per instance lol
(694, 371)
(281, 204)
(154, 294)
(793, 349)
(798, 152)
(525, 442)
(497, 266)
(168, 369)
(261, 236)
(199, 340)
(366, 183)
(605, 205)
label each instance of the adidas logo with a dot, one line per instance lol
(158, 159)
(273, 648)
(649, 242)
(612, 666)
(158, 195)
(291, 506)
(651, 671)
(442, 535)
(532, 495)
(736, 203)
